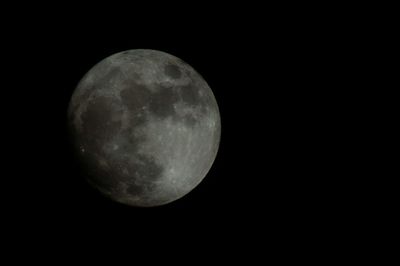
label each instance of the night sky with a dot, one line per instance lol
(271, 180)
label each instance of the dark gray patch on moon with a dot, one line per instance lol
(146, 171)
(172, 71)
(99, 126)
(146, 127)
(162, 102)
(191, 96)
(189, 120)
(135, 97)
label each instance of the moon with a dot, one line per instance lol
(145, 126)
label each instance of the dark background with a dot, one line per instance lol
(274, 73)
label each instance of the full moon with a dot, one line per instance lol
(145, 126)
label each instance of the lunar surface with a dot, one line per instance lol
(146, 127)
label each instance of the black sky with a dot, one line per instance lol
(273, 75)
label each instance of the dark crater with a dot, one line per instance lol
(172, 71)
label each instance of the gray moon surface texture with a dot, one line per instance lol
(146, 127)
